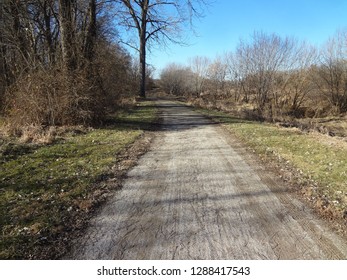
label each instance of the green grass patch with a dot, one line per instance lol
(42, 188)
(317, 161)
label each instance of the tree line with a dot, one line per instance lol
(57, 59)
(64, 61)
(272, 76)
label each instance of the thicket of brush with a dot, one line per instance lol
(268, 77)
(58, 65)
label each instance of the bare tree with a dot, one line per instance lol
(273, 72)
(176, 79)
(262, 59)
(237, 71)
(155, 22)
(331, 76)
(199, 66)
(3, 66)
(295, 83)
(217, 72)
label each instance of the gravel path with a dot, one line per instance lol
(197, 194)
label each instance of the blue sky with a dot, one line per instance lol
(226, 21)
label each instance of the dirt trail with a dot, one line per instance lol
(194, 196)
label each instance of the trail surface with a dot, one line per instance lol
(198, 195)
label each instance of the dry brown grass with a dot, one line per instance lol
(38, 135)
(50, 98)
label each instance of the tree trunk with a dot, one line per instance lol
(15, 12)
(143, 41)
(48, 33)
(143, 69)
(90, 32)
(67, 34)
(2, 57)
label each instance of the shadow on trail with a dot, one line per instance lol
(148, 202)
(173, 116)
(182, 117)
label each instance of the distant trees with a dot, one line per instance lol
(276, 76)
(177, 79)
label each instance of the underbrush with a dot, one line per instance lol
(51, 98)
(47, 190)
(316, 163)
(315, 117)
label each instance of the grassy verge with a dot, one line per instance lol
(319, 165)
(45, 191)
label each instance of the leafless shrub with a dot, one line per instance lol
(118, 75)
(58, 64)
(216, 74)
(265, 56)
(38, 134)
(199, 65)
(50, 98)
(331, 75)
(176, 79)
(272, 72)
